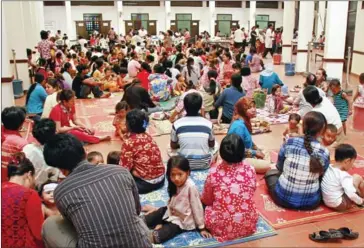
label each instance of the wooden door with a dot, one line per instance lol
(152, 27)
(105, 27)
(173, 26)
(81, 29)
(128, 26)
(195, 28)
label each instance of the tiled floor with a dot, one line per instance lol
(293, 236)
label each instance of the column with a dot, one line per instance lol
(120, 27)
(212, 18)
(40, 16)
(305, 26)
(337, 14)
(252, 14)
(7, 94)
(30, 25)
(16, 38)
(167, 9)
(321, 18)
(69, 30)
(289, 14)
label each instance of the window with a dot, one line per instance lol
(264, 4)
(141, 3)
(92, 3)
(92, 22)
(224, 23)
(184, 21)
(186, 3)
(140, 20)
(262, 21)
(226, 4)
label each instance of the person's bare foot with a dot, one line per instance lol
(105, 138)
(107, 95)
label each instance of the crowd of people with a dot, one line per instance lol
(83, 201)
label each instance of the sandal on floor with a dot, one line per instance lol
(324, 236)
(346, 232)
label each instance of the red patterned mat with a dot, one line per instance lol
(281, 218)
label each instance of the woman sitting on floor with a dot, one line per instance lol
(268, 78)
(244, 111)
(21, 215)
(51, 101)
(301, 163)
(64, 112)
(138, 98)
(228, 215)
(141, 155)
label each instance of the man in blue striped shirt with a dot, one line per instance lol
(193, 134)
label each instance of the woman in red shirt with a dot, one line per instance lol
(64, 112)
(143, 75)
(141, 155)
(21, 215)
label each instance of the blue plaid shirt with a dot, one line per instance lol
(297, 186)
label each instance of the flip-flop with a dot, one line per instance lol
(324, 236)
(346, 232)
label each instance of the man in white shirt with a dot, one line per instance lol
(324, 106)
(82, 41)
(268, 41)
(238, 37)
(142, 32)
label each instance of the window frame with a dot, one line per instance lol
(186, 4)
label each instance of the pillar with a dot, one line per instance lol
(289, 14)
(30, 24)
(305, 26)
(212, 18)
(16, 38)
(321, 18)
(337, 14)
(167, 10)
(252, 14)
(7, 94)
(120, 27)
(69, 30)
(40, 16)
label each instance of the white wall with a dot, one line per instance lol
(58, 14)
(358, 59)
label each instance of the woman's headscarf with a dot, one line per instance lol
(240, 111)
(268, 71)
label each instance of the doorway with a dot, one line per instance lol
(350, 33)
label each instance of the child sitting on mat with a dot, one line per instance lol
(109, 81)
(49, 207)
(293, 129)
(113, 158)
(119, 121)
(340, 189)
(275, 101)
(95, 158)
(184, 211)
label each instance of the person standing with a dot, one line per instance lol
(253, 37)
(99, 205)
(238, 38)
(268, 41)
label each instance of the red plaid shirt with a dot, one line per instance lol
(141, 154)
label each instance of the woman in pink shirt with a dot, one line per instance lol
(228, 193)
(249, 83)
(133, 66)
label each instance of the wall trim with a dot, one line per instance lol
(286, 45)
(19, 61)
(302, 50)
(330, 60)
(6, 79)
(358, 52)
